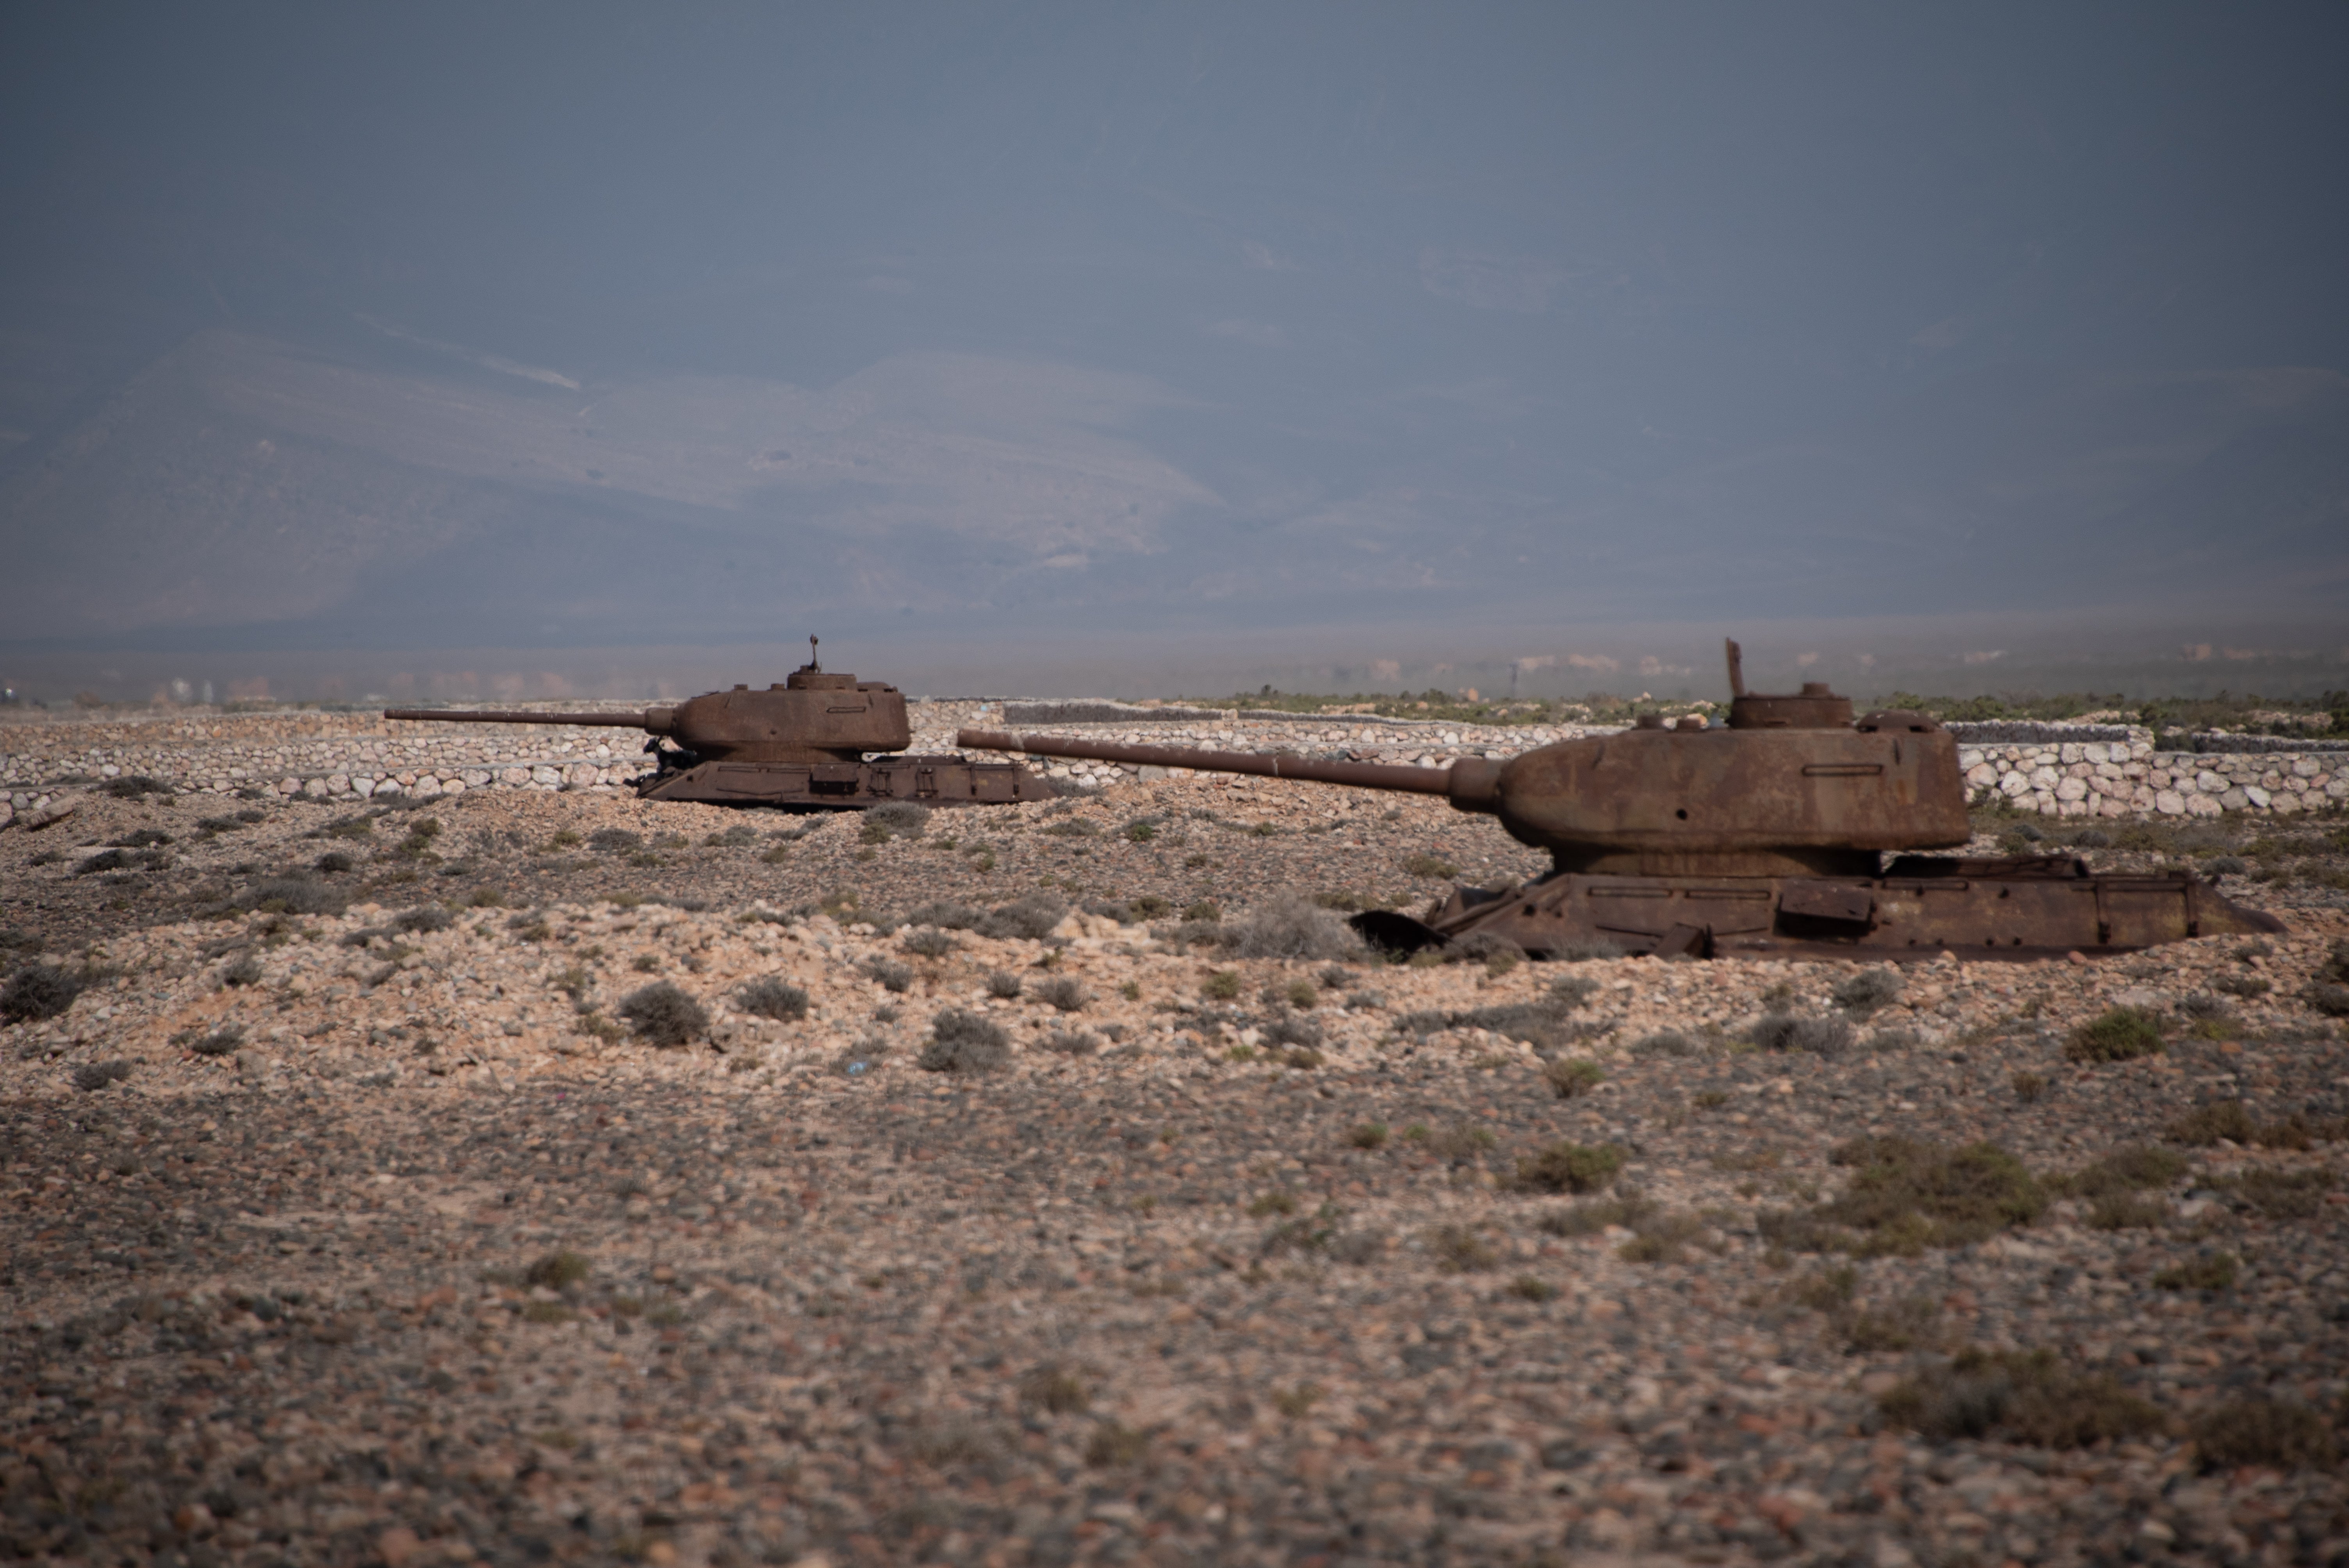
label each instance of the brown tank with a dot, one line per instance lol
(1795, 830)
(802, 741)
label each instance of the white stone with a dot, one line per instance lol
(2071, 790)
(515, 776)
(2200, 805)
(1982, 774)
(2286, 801)
(544, 774)
(2170, 803)
(2209, 783)
(2043, 778)
(452, 786)
(314, 788)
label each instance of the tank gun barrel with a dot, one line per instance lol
(656, 721)
(1469, 783)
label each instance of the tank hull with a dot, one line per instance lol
(847, 786)
(2018, 908)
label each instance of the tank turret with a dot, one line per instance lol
(803, 741)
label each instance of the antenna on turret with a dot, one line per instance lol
(814, 663)
(1736, 668)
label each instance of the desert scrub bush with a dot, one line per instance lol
(97, 1075)
(2206, 1124)
(2020, 1397)
(891, 975)
(2331, 1000)
(1033, 918)
(1072, 1043)
(557, 1270)
(1002, 984)
(1869, 991)
(929, 942)
(1660, 1236)
(894, 819)
(1458, 1249)
(769, 998)
(1221, 986)
(1596, 1215)
(2127, 1212)
(963, 1042)
(1828, 1037)
(1430, 868)
(1532, 1287)
(1908, 1195)
(1054, 1387)
(1570, 1078)
(2117, 1035)
(38, 991)
(2250, 987)
(1664, 1043)
(2029, 1088)
(1569, 1168)
(1113, 1446)
(302, 893)
(1063, 994)
(2131, 1167)
(1301, 995)
(244, 970)
(218, 1042)
(421, 918)
(334, 862)
(2206, 1271)
(2276, 1433)
(1290, 927)
(1369, 1135)
(2281, 1194)
(1293, 1030)
(663, 1015)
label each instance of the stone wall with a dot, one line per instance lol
(2130, 779)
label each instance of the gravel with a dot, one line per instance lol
(432, 1261)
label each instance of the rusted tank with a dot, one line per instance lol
(803, 741)
(1795, 830)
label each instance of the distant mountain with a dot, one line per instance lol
(383, 489)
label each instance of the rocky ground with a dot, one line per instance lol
(1000, 1204)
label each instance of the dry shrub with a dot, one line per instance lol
(1908, 1194)
(2128, 1169)
(1572, 1077)
(97, 1075)
(929, 942)
(1821, 1036)
(964, 1042)
(1053, 1387)
(2019, 1396)
(1065, 993)
(38, 991)
(2272, 1432)
(2118, 1035)
(1003, 984)
(1868, 991)
(769, 998)
(1033, 918)
(1569, 1168)
(663, 1015)
(1291, 926)
(2206, 1124)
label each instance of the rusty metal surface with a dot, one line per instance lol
(1277, 765)
(801, 742)
(2008, 910)
(814, 717)
(841, 786)
(1769, 835)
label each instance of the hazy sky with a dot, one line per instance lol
(551, 322)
